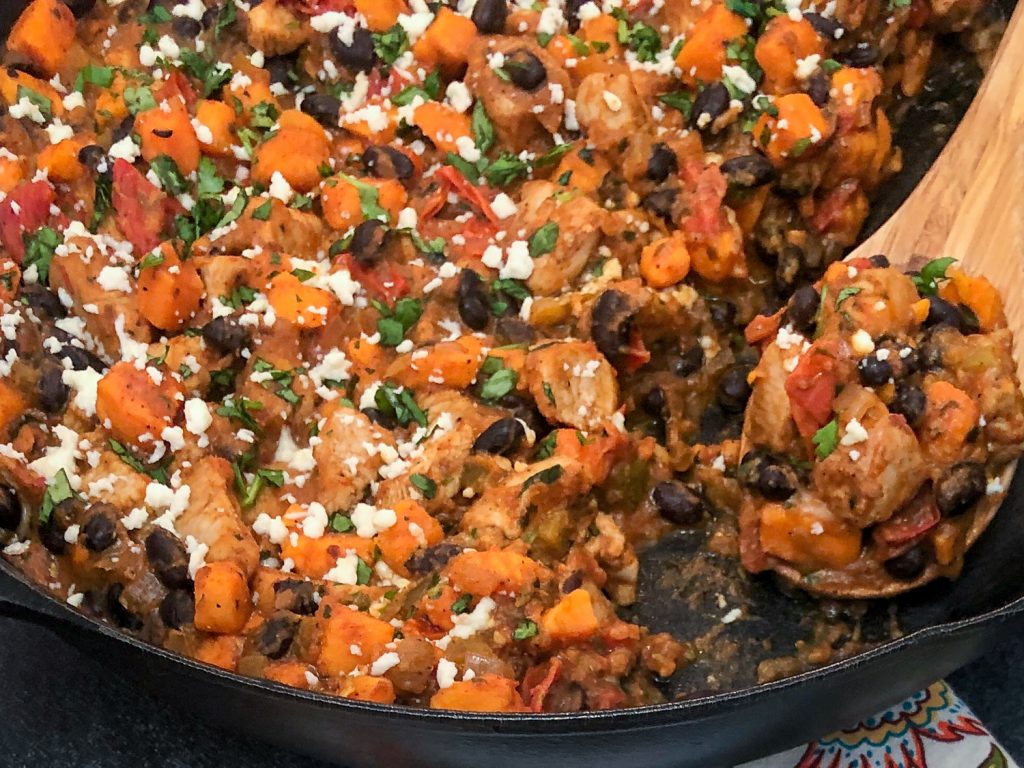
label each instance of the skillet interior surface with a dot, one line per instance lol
(683, 588)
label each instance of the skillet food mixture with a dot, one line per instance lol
(359, 345)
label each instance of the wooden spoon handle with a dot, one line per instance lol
(969, 204)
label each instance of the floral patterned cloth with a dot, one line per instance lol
(933, 728)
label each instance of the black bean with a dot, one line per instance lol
(211, 16)
(803, 309)
(80, 359)
(99, 530)
(733, 390)
(909, 401)
(525, 70)
(723, 314)
(874, 372)
(53, 392)
(92, 156)
(572, 13)
(296, 596)
(119, 614)
(323, 108)
(369, 240)
(689, 360)
(282, 69)
(276, 635)
(177, 609)
(746, 171)
(572, 582)
(653, 402)
(432, 558)
(861, 55)
(380, 418)
(942, 312)
(502, 438)
(710, 103)
(474, 308)
(10, 508)
(186, 28)
(717, 424)
(611, 324)
(513, 330)
(490, 16)
(124, 128)
(386, 162)
(358, 54)
(80, 7)
(661, 163)
(678, 503)
(51, 533)
(776, 481)
(660, 202)
(168, 559)
(225, 335)
(524, 409)
(43, 301)
(818, 88)
(879, 261)
(959, 487)
(824, 26)
(909, 565)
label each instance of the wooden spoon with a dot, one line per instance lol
(967, 206)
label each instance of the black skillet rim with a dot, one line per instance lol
(522, 723)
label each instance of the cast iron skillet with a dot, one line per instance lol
(946, 625)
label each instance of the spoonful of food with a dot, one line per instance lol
(884, 427)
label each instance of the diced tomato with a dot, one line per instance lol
(811, 388)
(24, 211)
(920, 12)
(476, 234)
(538, 681)
(141, 209)
(763, 328)
(637, 355)
(471, 194)
(908, 525)
(831, 209)
(383, 279)
(708, 188)
(316, 7)
(177, 85)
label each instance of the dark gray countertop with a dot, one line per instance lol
(60, 709)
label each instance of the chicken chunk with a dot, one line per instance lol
(768, 421)
(351, 451)
(275, 30)
(517, 113)
(609, 109)
(876, 468)
(213, 517)
(572, 383)
(285, 230)
(579, 230)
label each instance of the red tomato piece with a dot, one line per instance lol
(471, 194)
(383, 279)
(811, 388)
(141, 209)
(24, 211)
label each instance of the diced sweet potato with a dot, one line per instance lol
(134, 404)
(950, 415)
(297, 303)
(485, 573)
(286, 672)
(223, 600)
(315, 557)
(222, 651)
(12, 403)
(486, 693)
(169, 293)
(219, 119)
(297, 151)
(571, 619)
(43, 34)
(413, 529)
(452, 364)
(60, 161)
(167, 130)
(345, 630)
(369, 688)
(809, 542)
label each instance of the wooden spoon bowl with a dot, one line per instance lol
(967, 206)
